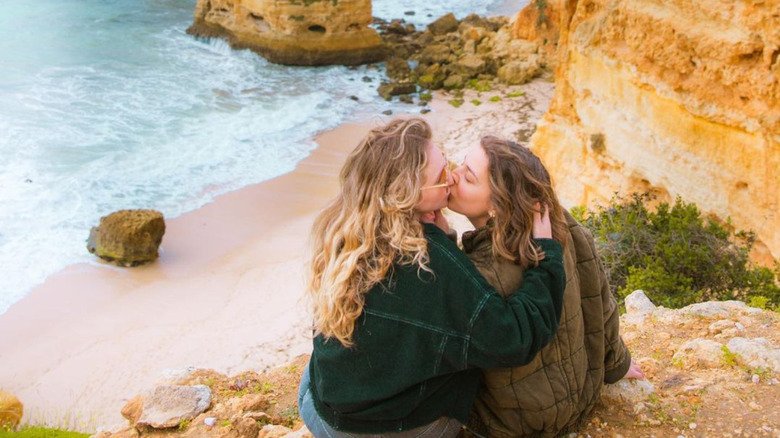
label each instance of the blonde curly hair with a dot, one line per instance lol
(369, 226)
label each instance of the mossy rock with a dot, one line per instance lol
(454, 82)
(431, 81)
(128, 237)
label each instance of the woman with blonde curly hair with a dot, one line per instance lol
(497, 188)
(403, 321)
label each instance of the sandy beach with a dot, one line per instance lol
(225, 293)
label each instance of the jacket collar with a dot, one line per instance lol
(479, 239)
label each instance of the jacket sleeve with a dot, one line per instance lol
(617, 358)
(501, 337)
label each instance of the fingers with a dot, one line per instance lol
(428, 217)
(542, 226)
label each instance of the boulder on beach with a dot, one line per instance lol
(11, 410)
(445, 24)
(128, 237)
(167, 406)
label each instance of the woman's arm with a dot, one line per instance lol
(502, 338)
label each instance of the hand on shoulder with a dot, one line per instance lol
(437, 218)
(542, 226)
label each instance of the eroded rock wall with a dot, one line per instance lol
(673, 97)
(293, 32)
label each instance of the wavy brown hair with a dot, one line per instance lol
(369, 226)
(518, 180)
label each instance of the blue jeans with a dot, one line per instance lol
(442, 428)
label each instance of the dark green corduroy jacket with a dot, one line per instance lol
(550, 395)
(422, 338)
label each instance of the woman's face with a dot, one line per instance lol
(435, 174)
(470, 194)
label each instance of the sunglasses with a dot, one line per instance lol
(443, 179)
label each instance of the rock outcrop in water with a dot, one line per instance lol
(293, 32)
(672, 97)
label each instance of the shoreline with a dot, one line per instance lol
(225, 293)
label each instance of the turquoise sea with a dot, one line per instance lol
(109, 104)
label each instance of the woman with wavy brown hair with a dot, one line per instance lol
(497, 188)
(403, 321)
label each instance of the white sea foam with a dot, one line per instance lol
(107, 105)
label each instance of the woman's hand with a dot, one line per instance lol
(435, 217)
(542, 226)
(634, 372)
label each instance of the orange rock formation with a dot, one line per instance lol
(293, 32)
(672, 96)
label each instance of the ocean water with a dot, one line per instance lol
(109, 104)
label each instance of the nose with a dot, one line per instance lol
(451, 178)
(454, 177)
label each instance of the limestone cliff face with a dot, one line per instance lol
(293, 32)
(671, 96)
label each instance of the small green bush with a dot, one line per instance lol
(676, 256)
(457, 102)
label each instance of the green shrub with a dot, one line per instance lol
(675, 255)
(457, 102)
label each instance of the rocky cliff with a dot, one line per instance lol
(293, 32)
(672, 97)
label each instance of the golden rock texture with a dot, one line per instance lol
(672, 97)
(539, 22)
(293, 32)
(128, 237)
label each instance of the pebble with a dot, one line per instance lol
(756, 378)
(739, 326)
(692, 426)
(210, 421)
(754, 406)
(387, 112)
